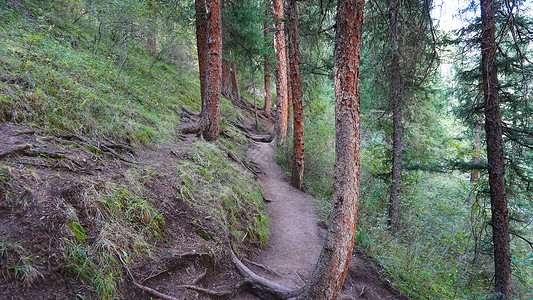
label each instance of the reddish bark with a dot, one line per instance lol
(395, 90)
(496, 166)
(268, 103)
(236, 93)
(281, 71)
(296, 91)
(226, 82)
(210, 118)
(201, 43)
(328, 276)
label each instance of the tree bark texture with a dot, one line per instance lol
(328, 276)
(496, 167)
(268, 101)
(297, 103)
(281, 71)
(201, 44)
(210, 118)
(226, 81)
(395, 92)
(236, 93)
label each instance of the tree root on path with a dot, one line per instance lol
(16, 150)
(266, 268)
(104, 148)
(193, 287)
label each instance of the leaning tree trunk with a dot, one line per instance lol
(281, 71)
(268, 103)
(236, 93)
(496, 167)
(226, 81)
(395, 91)
(210, 118)
(328, 276)
(297, 103)
(201, 44)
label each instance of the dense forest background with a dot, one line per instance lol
(125, 70)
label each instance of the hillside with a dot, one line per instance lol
(119, 179)
(103, 198)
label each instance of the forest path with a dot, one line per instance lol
(295, 238)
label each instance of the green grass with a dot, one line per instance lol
(49, 83)
(124, 226)
(17, 261)
(218, 187)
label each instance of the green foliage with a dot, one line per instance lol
(17, 261)
(124, 226)
(52, 78)
(210, 182)
(94, 266)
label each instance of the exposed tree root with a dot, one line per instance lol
(245, 164)
(260, 286)
(266, 268)
(185, 286)
(16, 150)
(255, 137)
(152, 291)
(206, 291)
(191, 128)
(104, 148)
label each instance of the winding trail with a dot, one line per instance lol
(295, 238)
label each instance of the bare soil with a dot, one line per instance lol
(44, 174)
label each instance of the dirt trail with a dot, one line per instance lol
(295, 241)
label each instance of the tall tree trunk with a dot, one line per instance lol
(268, 103)
(328, 276)
(201, 44)
(297, 103)
(236, 93)
(474, 176)
(152, 31)
(210, 118)
(496, 167)
(395, 91)
(281, 71)
(226, 81)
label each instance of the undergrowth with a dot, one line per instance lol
(116, 226)
(51, 76)
(17, 261)
(221, 189)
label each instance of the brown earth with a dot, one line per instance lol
(41, 175)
